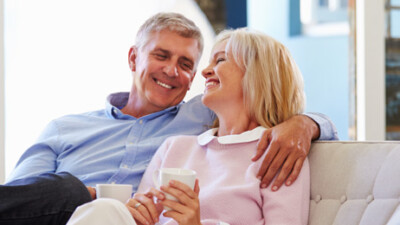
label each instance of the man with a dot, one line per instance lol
(116, 144)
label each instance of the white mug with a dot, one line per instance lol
(164, 175)
(121, 192)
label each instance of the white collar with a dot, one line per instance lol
(247, 136)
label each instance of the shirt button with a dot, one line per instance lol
(125, 166)
(140, 121)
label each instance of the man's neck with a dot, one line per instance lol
(137, 108)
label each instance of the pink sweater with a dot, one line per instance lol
(229, 189)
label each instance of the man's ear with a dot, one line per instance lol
(132, 58)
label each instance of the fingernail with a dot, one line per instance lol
(274, 188)
(263, 186)
(259, 177)
(288, 182)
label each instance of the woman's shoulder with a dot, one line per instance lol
(176, 142)
(181, 138)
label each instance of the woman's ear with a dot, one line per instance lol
(132, 58)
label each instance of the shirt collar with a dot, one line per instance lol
(247, 136)
(116, 101)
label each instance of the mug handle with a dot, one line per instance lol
(156, 175)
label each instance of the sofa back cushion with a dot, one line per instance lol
(354, 183)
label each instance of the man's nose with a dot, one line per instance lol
(171, 70)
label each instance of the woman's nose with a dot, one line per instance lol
(207, 71)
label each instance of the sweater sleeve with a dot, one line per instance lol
(290, 204)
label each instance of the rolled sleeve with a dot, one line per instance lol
(326, 127)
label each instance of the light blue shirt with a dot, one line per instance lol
(107, 146)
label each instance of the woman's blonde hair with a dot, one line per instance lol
(272, 83)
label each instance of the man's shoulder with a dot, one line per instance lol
(95, 113)
(195, 104)
(195, 100)
(195, 112)
(80, 118)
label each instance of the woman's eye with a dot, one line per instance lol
(220, 60)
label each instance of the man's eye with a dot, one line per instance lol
(186, 66)
(161, 56)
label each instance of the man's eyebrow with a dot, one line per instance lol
(162, 50)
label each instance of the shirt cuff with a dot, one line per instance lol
(327, 130)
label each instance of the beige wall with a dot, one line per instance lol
(2, 109)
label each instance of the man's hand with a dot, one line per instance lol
(288, 145)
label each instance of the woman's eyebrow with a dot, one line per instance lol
(220, 52)
(216, 54)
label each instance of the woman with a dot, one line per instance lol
(250, 77)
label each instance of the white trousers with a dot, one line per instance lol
(103, 211)
(395, 219)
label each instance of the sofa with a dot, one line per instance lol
(355, 183)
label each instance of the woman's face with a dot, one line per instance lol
(223, 80)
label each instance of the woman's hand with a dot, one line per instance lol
(187, 210)
(142, 207)
(92, 192)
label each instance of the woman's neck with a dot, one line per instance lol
(235, 122)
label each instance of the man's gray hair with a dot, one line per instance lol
(174, 22)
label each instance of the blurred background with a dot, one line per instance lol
(60, 57)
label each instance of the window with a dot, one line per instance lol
(393, 18)
(324, 17)
(392, 61)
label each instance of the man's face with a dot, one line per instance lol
(164, 69)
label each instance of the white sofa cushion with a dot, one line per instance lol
(354, 182)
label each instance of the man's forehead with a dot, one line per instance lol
(173, 42)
